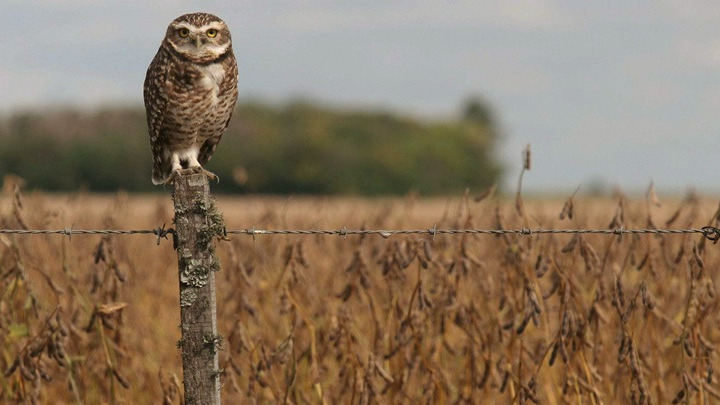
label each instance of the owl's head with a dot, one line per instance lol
(199, 37)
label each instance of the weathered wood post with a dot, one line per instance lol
(197, 223)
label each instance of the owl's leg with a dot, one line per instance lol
(175, 163)
(175, 168)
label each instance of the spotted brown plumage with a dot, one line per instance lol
(190, 92)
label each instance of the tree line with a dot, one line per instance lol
(297, 147)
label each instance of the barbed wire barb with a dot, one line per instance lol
(711, 233)
(161, 232)
(68, 232)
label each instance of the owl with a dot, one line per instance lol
(190, 92)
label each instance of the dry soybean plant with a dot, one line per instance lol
(60, 326)
(364, 319)
(470, 319)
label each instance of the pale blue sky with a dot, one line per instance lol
(625, 92)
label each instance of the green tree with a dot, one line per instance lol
(299, 147)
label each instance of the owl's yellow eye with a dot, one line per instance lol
(212, 33)
(183, 32)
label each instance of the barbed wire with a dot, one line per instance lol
(710, 232)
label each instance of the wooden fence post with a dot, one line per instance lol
(197, 223)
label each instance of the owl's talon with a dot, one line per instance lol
(199, 170)
(171, 178)
(210, 175)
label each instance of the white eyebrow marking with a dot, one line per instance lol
(183, 25)
(215, 24)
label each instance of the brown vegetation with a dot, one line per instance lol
(552, 319)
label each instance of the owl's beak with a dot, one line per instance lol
(198, 41)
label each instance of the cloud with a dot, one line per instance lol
(698, 12)
(511, 14)
(703, 53)
(22, 88)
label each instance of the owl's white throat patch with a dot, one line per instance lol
(213, 75)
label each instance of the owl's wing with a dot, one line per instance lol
(156, 100)
(208, 148)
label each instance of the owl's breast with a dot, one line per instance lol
(200, 102)
(210, 78)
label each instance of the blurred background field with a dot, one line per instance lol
(410, 319)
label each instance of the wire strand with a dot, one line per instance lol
(710, 232)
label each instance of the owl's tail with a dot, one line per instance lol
(157, 179)
(160, 172)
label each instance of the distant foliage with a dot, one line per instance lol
(295, 148)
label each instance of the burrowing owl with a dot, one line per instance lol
(190, 92)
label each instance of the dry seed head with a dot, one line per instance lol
(698, 259)
(427, 249)
(680, 254)
(554, 352)
(526, 157)
(288, 256)
(571, 245)
(674, 216)
(647, 299)
(688, 348)
(708, 290)
(521, 328)
(691, 312)
(120, 379)
(17, 197)
(710, 370)
(505, 377)
(301, 254)
(619, 218)
(27, 372)
(644, 261)
(588, 254)
(563, 351)
(17, 209)
(487, 193)
(532, 297)
(623, 349)
(652, 196)
(680, 395)
(566, 325)
(553, 288)
(543, 269)
(539, 260)
(650, 223)
(567, 209)
(628, 312)
(619, 290)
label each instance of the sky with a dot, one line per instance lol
(616, 93)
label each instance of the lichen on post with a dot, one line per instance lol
(197, 224)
